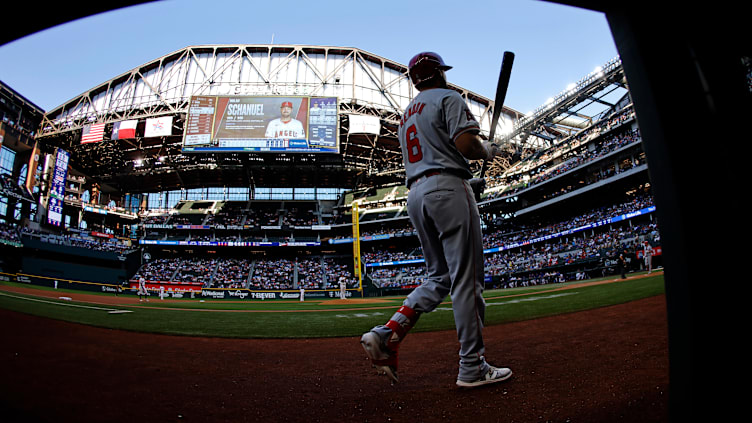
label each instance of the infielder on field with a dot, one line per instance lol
(342, 288)
(285, 126)
(648, 256)
(142, 292)
(438, 135)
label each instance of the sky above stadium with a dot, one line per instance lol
(555, 45)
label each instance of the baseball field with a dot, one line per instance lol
(592, 350)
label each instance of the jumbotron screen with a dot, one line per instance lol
(262, 124)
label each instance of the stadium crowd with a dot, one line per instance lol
(276, 274)
(158, 270)
(9, 232)
(232, 273)
(517, 182)
(337, 271)
(80, 240)
(196, 270)
(519, 255)
(571, 153)
(317, 272)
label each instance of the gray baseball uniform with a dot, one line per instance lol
(442, 207)
(429, 126)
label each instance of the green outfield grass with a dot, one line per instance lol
(321, 318)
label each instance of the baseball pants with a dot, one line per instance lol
(443, 211)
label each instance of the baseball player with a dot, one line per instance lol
(438, 136)
(142, 292)
(342, 288)
(648, 256)
(285, 126)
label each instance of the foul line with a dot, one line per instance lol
(109, 310)
(518, 300)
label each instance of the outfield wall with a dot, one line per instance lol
(59, 283)
(69, 262)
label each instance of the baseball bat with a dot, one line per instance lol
(501, 93)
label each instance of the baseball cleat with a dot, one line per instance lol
(494, 374)
(384, 360)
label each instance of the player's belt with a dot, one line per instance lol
(424, 175)
(433, 172)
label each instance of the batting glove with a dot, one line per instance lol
(478, 185)
(492, 150)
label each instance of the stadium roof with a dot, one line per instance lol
(364, 84)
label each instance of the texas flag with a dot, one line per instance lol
(124, 130)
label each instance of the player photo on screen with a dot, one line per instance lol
(286, 125)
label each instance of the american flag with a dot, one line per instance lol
(92, 133)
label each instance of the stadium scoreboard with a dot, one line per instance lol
(57, 188)
(258, 124)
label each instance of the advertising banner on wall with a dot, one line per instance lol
(361, 124)
(31, 169)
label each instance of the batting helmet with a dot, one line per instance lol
(424, 66)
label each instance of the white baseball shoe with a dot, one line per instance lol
(494, 374)
(383, 359)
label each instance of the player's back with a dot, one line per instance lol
(427, 131)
